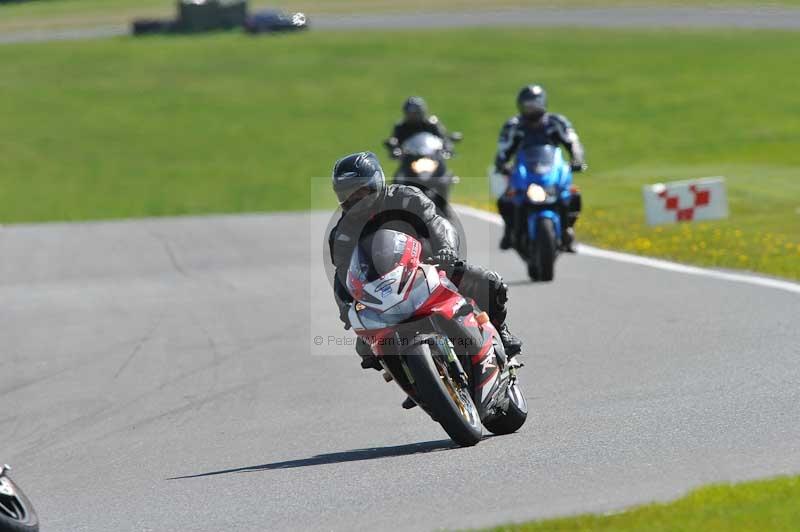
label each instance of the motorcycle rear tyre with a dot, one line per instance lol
(514, 416)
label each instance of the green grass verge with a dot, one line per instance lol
(764, 506)
(74, 13)
(226, 123)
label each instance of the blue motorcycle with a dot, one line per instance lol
(543, 197)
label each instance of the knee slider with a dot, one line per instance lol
(501, 293)
(363, 348)
(575, 203)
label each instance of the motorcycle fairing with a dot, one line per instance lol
(425, 292)
(542, 165)
(444, 300)
(486, 367)
(423, 165)
(423, 145)
(391, 285)
(534, 217)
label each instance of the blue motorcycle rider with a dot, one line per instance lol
(534, 126)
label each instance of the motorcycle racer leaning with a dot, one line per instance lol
(369, 204)
(531, 127)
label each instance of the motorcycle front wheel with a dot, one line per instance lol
(543, 250)
(16, 511)
(447, 401)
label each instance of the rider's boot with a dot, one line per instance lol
(505, 242)
(368, 359)
(409, 403)
(569, 240)
(498, 313)
(506, 210)
(573, 213)
(512, 344)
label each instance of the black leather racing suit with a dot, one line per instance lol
(517, 133)
(406, 209)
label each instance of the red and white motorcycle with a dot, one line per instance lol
(442, 351)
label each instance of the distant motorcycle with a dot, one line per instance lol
(423, 164)
(543, 197)
(441, 350)
(16, 512)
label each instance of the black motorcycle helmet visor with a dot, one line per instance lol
(532, 108)
(352, 199)
(415, 115)
(415, 109)
(355, 177)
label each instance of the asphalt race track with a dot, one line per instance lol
(764, 18)
(163, 375)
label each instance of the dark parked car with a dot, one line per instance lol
(273, 20)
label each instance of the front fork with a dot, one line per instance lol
(480, 348)
(461, 340)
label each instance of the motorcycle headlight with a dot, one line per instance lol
(424, 166)
(536, 194)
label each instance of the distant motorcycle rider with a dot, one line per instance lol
(369, 204)
(531, 127)
(415, 120)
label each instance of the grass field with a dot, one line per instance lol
(226, 123)
(765, 506)
(74, 13)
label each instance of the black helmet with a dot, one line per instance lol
(415, 109)
(532, 101)
(356, 177)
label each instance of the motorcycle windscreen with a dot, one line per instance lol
(423, 145)
(381, 268)
(537, 164)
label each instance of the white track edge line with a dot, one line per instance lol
(591, 251)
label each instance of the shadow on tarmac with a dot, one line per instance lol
(355, 455)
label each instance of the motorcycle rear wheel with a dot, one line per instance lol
(514, 416)
(16, 511)
(449, 403)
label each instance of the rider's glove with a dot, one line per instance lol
(449, 263)
(344, 315)
(579, 166)
(504, 171)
